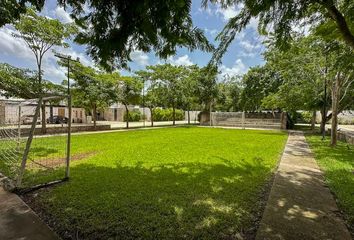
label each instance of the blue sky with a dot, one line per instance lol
(244, 52)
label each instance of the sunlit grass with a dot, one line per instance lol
(177, 183)
(338, 166)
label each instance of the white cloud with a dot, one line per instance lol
(238, 68)
(232, 11)
(253, 23)
(212, 32)
(140, 57)
(62, 15)
(183, 60)
(12, 46)
(250, 47)
(228, 12)
(206, 10)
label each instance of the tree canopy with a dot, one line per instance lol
(113, 29)
(23, 83)
(279, 17)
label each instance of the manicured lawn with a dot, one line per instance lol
(338, 166)
(176, 183)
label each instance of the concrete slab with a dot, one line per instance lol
(300, 205)
(18, 221)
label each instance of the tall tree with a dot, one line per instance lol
(41, 34)
(229, 94)
(153, 99)
(91, 89)
(259, 82)
(169, 78)
(154, 93)
(206, 88)
(128, 93)
(23, 83)
(188, 86)
(315, 74)
(342, 81)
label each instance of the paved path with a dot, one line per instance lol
(18, 221)
(300, 206)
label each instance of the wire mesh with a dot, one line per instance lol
(46, 159)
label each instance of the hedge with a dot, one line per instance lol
(134, 116)
(167, 114)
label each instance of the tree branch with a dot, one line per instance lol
(341, 22)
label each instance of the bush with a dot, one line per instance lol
(167, 114)
(134, 116)
(306, 116)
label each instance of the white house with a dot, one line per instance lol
(9, 111)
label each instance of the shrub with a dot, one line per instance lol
(306, 116)
(167, 114)
(134, 116)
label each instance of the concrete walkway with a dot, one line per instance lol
(300, 206)
(18, 221)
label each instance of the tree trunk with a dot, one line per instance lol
(94, 115)
(174, 115)
(152, 116)
(313, 120)
(341, 23)
(323, 122)
(335, 104)
(44, 123)
(126, 115)
(189, 117)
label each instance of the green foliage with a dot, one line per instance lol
(282, 16)
(128, 90)
(206, 188)
(206, 86)
(306, 116)
(116, 28)
(23, 83)
(134, 116)
(42, 33)
(11, 10)
(91, 90)
(113, 29)
(170, 86)
(337, 164)
(167, 114)
(258, 83)
(229, 91)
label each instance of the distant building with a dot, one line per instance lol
(116, 112)
(9, 111)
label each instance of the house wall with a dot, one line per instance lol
(10, 112)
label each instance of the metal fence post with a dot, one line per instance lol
(68, 146)
(28, 144)
(243, 120)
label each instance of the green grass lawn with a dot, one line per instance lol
(175, 183)
(338, 166)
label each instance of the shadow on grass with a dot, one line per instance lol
(42, 151)
(337, 164)
(301, 208)
(174, 201)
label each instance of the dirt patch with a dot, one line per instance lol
(58, 162)
(31, 199)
